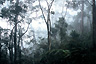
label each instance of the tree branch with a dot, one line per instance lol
(12, 29)
(62, 9)
(65, 12)
(89, 2)
(51, 3)
(42, 13)
(26, 30)
(47, 2)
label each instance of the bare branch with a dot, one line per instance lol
(26, 30)
(89, 2)
(47, 2)
(62, 9)
(65, 12)
(42, 12)
(51, 3)
(14, 27)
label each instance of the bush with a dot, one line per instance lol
(75, 56)
(55, 57)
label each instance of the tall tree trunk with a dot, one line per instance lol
(11, 45)
(47, 21)
(15, 34)
(0, 45)
(11, 52)
(94, 25)
(49, 41)
(49, 29)
(19, 52)
(19, 47)
(82, 17)
(15, 43)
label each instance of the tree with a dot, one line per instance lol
(94, 24)
(62, 27)
(47, 21)
(60, 32)
(74, 41)
(12, 13)
(82, 17)
(4, 46)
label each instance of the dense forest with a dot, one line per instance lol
(47, 31)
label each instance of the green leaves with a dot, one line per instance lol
(13, 10)
(55, 56)
(4, 12)
(2, 1)
(74, 34)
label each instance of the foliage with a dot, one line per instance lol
(82, 56)
(74, 40)
(59, 33)
(2, 1)
(4, 57)
(12, 11)
(75, 56)
(74, 35)
(77, 40)
(79, 46)
(55, 57)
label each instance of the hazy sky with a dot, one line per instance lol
(38, 25)
(58, 7)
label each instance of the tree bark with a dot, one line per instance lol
(15, 34)
(15, 43)
(0, 45)
(94, 25)
(49, 28)
(48, 22)
(82, 17)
